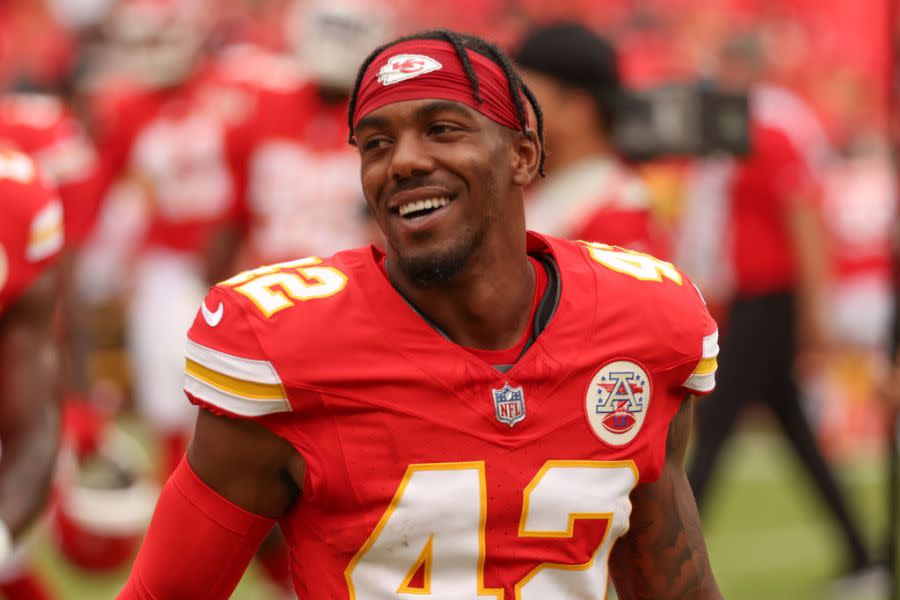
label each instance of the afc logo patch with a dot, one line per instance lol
(509, 404)
(617, 401)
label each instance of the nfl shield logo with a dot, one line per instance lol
(509, 404)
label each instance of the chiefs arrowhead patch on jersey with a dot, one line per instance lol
(406, 66)
(617, 401)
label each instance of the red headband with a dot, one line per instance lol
(419, 69)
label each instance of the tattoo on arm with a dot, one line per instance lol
(663, 556)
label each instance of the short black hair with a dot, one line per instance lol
(575, 56)
(461, 42)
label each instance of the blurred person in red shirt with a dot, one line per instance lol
(298, 192)
(163, 113)
(31, 240)
(42, 126)
(589, 193)
(756, 226)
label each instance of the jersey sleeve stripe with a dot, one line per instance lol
(706, 366)
(46, 236)
(236, 367)
(702, 379)
(249, 390)
(711, 344)
(701, 383)
(231, 403)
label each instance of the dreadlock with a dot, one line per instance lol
(460, 43)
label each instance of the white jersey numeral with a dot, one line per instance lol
(273, 290)
(430, 540)
(433, 528)
(636, 264)
(561, 493)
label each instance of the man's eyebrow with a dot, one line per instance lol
(443, 106)
(370, 121)
(423, 112)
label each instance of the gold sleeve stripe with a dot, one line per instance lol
(231, 385)
(706, 366)
(46, 236)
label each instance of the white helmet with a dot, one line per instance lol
(155, 41)
(332, 37)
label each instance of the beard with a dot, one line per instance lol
(439, 266)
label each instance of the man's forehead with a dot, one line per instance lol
(415, 109)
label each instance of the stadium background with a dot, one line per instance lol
(767, 534)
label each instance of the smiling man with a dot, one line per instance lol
(477, 411)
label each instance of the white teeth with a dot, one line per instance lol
(429, 203)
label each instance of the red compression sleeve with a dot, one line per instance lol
(198, 544)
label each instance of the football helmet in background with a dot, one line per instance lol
(105, 492)
(156, 42)
(332, 37)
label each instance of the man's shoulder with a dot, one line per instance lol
(647, 306)
(263, 331)
(296, 291)
(290, 303)
(624, 269)
(627, 282)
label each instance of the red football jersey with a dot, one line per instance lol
(176, 143)
(41, 126)
(302, 194)
(31, 230)
(429, 471)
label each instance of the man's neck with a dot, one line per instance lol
(486, 305)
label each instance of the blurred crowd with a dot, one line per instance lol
(190, 139)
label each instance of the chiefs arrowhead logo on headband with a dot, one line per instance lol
(432, 69)
(406, 66)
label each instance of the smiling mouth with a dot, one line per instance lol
(422, 208)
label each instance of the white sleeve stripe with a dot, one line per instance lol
(233, 403)
(246, 369)
(711, 345)
(701, 383)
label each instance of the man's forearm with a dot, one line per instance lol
(26, 470)
(198, 544)
(29, 427)
(663, 556)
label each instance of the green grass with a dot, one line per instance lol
(768, 534)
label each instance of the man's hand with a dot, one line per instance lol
(663, 555)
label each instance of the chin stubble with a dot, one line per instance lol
(440, 266)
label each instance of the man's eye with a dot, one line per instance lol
(374, 143)
(440, 128)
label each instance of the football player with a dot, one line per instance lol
(475, 411)
(31, 239)
(300, 195)
(166, 134)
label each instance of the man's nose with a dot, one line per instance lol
(410, 157)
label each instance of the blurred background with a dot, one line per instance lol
(192, 138)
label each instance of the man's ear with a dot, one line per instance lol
(526, 153)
